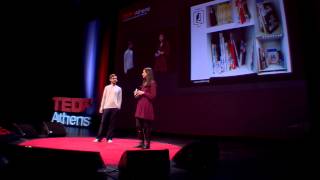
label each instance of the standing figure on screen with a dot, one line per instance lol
(144, 111)
(110, 105)
(162, 54)
(128, 58)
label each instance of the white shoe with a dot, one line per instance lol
(96, 140)
(110, 141)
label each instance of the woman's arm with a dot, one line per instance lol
(153, 91)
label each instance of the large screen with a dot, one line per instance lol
(226, 68)
(238, 37)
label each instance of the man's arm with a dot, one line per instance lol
(103, 99)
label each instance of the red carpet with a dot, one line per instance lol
(110, 152)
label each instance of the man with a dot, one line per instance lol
(110, 105)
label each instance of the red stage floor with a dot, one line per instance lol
(110, 152)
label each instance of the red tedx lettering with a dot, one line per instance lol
(75, 105)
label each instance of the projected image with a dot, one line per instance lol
(145, 40)
(238, 37)
(138, 52)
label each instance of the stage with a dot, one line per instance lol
(76, 157)
(110, 152)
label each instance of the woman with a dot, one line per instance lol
(144, 112)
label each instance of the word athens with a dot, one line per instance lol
(72, 105)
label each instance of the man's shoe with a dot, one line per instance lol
(146, 146)
(97, 140)
(140, 145)
(109, 141)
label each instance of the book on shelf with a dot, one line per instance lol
(224, 13)
(262, 59)
(267, 16)
(223, 53)
(243, 11)
(212, 16)
(215, 58)
(242, 56)
(233, 53)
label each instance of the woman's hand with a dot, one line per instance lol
(157, 53)
(138, 93)
(135, 92)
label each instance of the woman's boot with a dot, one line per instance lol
(141, 136)
(147, 138)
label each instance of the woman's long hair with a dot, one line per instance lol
(149, 78)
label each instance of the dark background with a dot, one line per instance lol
(42, 56)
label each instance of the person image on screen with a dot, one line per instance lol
(110, 105)
(144, 114)
(128, 58)
(161, 55)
